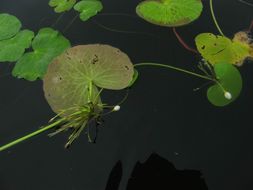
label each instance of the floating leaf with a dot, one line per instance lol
(170, 12)
(47, 45)
(62, 5)
(9, 26)
(12, 49)
(135, 77)
(229, 87)
(70, 74)
(220, 49)
(88, 8)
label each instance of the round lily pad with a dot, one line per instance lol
(229, 87)
(12, 49)
(88, 8)
(62, 5)
(47, 45)
(9, 26)
(170, 13)
(70, 74)
(220, 49)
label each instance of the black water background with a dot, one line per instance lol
(162, 113)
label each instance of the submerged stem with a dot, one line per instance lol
(175, 68)
(182, 42)
(214, 18)
(2, 148)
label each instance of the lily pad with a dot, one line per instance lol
(47, 45)
(220, 49)
(229, 87)
(134, 79)
(62, 5)
(70, 74)
(170, 13)
(9, 26)
(88, 8)
(12, 49)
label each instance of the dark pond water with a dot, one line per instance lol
(162, 115)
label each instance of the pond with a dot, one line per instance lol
(133, 96)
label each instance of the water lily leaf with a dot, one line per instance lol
(9, 26)
(88, 8)
(70, 74)
(134, 79)
(62, 5)
(170, 13)
(230, 79)
(220, 49)
(47, 45)
(12, 49)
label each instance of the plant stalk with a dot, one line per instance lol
(9, 145)
(176, 69)
(214, 18)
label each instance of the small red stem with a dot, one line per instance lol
(182, 42)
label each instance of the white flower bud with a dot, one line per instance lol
(228, 95)
(116, 108)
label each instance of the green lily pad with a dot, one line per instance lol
(47, 45)
(88, 8)
(70, 74)
(62, 5)
(230, 79)
(220, 49)
(134, 79)
(9, 26)
(170, 13)
(12, 49)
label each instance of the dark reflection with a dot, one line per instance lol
(115, 177)
(158, 173)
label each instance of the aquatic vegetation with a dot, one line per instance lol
(46, 45)
(75, 77)
(71, 87)
(62, 5)
(88, 8)
(217, 49)
(220, 50)
(13, 42)
(80, 70)
(10, 26)
(170, 13)
(227, 87)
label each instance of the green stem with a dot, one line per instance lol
(2, 148)
(214, 18)
(175, 68)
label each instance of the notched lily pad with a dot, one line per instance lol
(88, 8)
(70, 74)
(12, 49)
(62, 5)
(170, 13)
(230, 79)
(9, 26)
(47, 45)
(220, 49)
